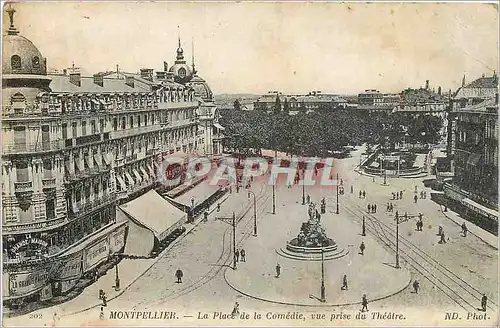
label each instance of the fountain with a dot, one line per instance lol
(311, 241)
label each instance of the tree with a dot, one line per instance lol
(277, 104)
(237, 105)
(286, 108)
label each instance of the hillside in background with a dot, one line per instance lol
(226, 100)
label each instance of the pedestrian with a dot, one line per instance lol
(242, 253)
(236, 310)
(443, 239)
(362, 248)
(484, 300)
(464, 229)
(425, 194)
(401, 194)
(237, 254)
(415, 189)
(360, 194)
(352, 189)
(96, 275)
(369, 208)
(278, 270)
(393, 197)
(344, 283)
(218, 207)
(179, 274)
(415, 198)
(416, 286)
(373, 179)
(440, 231)
(374, 207)
(308, 199)
(101, 292)
(397, 196)
(101, 315)
(364, 194)
(406, 216)
(104, 300)
(230, 189)
(341, 182)
(387, 208)
(392, 207)
(364, 303)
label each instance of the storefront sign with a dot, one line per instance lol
(67, 285)
(96, 253)
(72, 268)
(46, 293)
(26, 282)
(27, 242)
(117, 239)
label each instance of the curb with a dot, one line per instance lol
(315, 305)
(472, 233)
(161, 255)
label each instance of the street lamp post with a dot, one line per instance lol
(337, 212)
(234, 241)
(254, 212)
(397, 240)
(303, 189)
(363, 228)
(117, 278)
(323, 297)
(274, 195)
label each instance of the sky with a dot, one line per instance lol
(246, 47)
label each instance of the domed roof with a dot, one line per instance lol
(201, 88)
(20, 56)
(182, 72)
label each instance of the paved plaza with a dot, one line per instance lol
(452, 275)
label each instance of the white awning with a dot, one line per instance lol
(137, 175)
(476, 207)
(218, 126)
(151, 170)
(121, 182)
(79, 164)
(155, 213)
(144, 173)
(129, 178)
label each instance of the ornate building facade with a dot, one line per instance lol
(74, 148)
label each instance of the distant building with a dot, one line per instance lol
(473, 147)
(314, 100)
(374, 101)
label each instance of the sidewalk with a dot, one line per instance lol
(477, 231)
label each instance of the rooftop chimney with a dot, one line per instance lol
(99, 79)
(129, 80)
(75, 78)
(147, 74)
(161, 75)
(165, 66)
(169, 76)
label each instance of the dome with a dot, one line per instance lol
(182, 72)
(20, 56)
(201, 88)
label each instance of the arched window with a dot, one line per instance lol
(36, 62)
(15, 62)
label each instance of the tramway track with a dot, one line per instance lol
(452, 285)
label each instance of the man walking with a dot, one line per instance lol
(278, 270)
(178, 275)
(344, 283)
(237, 254)
(362, 248)
(242, 253)
(464, 229)
(364, 303)
(484, 300)
(416, 286)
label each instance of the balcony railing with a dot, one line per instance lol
(49, 183)
(23, 186)
(91, 205)
(88, 139)
(37, 147)
(134, 131)
(31, 227)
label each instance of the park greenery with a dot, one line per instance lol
(323, 132)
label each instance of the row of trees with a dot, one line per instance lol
(321, 133)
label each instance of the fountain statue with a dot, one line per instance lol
(312, 240)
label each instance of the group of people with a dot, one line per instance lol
(442, 237)
(397, 195)
(420, 222)
(341, 190)
(389, 208)
(423, 194)
(103, 298)
(372, 208)
(362, 194)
